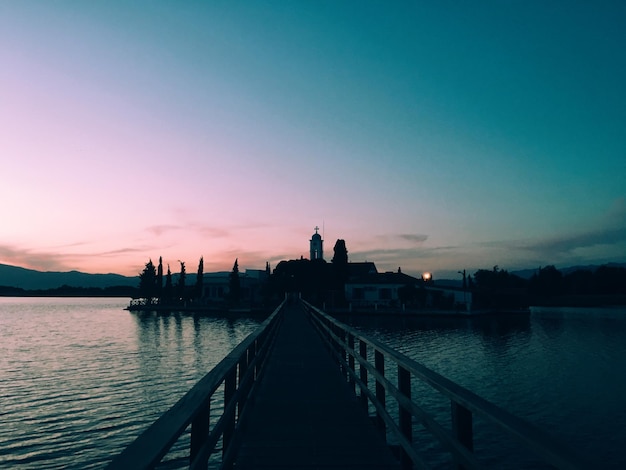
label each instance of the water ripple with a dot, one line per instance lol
(81, 378)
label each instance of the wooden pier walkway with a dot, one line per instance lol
(304, 416)
(288, 406)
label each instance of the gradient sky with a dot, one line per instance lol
(433, 136)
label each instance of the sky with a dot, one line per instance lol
(429, 135)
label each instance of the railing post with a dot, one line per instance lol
(379, 363)
(404, 415)
(342, 352)
(351, 363)
(200, 433)
(363, 372)
(243, 367)
(254, 351)
(229, 392)
(462, 425)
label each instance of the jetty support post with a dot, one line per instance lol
(351, 362)
(342, 352)
(462, 425)
(200, 433)
(230, 383)
(379, 363)
(404, 415)
(363, 372)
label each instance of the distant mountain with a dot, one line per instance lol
(29, 279)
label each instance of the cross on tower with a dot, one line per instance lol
(316, 228)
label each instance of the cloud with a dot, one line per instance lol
(395, 238)
(416, 238)
(608, 231)
(26, 258)
(204, 230)
(209, 231)
(63, 260)
(159, 230)
(123, 251)
(568, 243)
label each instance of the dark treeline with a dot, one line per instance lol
(155, 287)
(549, 286)
(70, 291)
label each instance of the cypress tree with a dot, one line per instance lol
(147, 282)
(234, 285)
(181, 281)
(200, 278)
(159, 279)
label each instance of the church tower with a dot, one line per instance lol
(317, 246)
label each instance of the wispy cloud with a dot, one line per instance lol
(391, 239)
(192, 227)
(609, 230)
(568, 243)
(123, 251)
(24, 257)
(415, 238)
(159, 230)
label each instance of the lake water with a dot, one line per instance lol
(80, 378)
(562, 369)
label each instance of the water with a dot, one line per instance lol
(81, 378)
(563, 370)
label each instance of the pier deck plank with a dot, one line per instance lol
(304, 415)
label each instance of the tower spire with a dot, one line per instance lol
(316, 245)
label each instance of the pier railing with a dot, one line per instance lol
(236, 376)
(351, 348)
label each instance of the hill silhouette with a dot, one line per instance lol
(30, 279)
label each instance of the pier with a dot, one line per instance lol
(305, 391)
(304, 415)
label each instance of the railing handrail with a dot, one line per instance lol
(152, 445)
(542, 443)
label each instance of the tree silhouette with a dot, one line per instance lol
(169, 290)
(341, 253)
(234, 285)
(159, 279)
(200, 278)
(498, 289)
(147, 282)
(340, 272)
(547, 282)
(181, 280)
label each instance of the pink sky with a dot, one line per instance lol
(133, 132)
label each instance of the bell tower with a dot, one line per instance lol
(317, 246)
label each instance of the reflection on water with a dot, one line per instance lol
(561, 369)
(80, 378)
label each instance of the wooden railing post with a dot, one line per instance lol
(200, 433)
(229, 392)
(342, 352)
(379, 363)
(243, 367)
(363, 372)
(404, 415)
(462, 425)
(351, 363)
